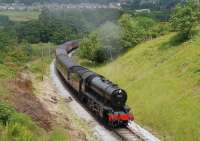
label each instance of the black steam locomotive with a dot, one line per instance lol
(101, 96)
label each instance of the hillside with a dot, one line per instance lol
(162, 79)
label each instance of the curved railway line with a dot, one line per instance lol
(123, 133)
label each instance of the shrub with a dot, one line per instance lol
(16, 132)
(6, 113)
(90, 48)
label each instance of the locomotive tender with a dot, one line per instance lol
(101, 96)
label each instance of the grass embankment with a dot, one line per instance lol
(18, 126)
(162, 79)
(21, 15)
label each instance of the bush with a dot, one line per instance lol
(17, 132)
(6, 113)
(25, 121)
(160, 29)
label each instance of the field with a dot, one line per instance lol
(21, 15)
(162, 78)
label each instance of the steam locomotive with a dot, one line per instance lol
(100, 95)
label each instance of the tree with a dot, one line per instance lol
(185, 17)
(135, 30)
(7, 39)
(91, 49)
(29, 31)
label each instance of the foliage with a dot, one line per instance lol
(28, 31)
(7, 38)
(16, 132)
(135, 30)
(5, 113)
(160, 29)
(90, 49)
(185, 17)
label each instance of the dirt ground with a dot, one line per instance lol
(39, 100)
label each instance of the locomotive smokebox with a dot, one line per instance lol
(109, 91)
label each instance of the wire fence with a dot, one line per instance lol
(43, 52)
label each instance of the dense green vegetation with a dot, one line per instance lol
(19, 127)
(185, 18)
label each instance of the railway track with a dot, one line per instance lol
(127, 134)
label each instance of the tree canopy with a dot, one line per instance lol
(185, 17)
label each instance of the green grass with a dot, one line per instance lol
(162, 80)
(21, 15)
(6, 73)
(59, 135)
